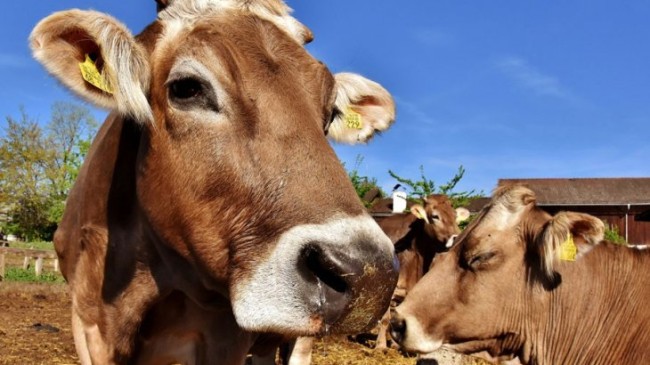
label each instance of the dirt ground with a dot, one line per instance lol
(35, 324)
(35, 329)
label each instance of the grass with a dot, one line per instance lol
(36, 245)
(14, 271)
(21, 275)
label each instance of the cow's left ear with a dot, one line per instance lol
(567, 237)
(362, 108)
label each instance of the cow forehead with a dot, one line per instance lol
(228, 31)
(436, 202)
(275, 11)
(501, 219)
(507, 208)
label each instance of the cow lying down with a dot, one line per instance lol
(211, 207)
(544, 288)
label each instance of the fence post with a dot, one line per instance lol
(39, 265)
(26, 262)
(56, 265)
(2, 266)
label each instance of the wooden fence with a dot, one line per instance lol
(39, 256)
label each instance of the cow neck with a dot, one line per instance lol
(585, 311)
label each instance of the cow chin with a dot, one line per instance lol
(335, 277)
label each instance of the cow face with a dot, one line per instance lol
(440, 217)
(234, 172)
(475, 296)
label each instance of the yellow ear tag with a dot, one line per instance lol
(568, 249)
(353, 119)
(91, 74)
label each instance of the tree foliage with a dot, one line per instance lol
(423, 187)
(363, 184)
(38, 166)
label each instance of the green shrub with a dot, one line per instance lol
(612, 235)
(19, 274)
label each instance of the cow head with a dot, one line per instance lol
(233, 169)
(475, 296)
(440, 217)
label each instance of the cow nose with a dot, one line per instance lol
(330, 270)
(397, 327)
(347, 278)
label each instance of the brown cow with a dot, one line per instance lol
(418, 236)
(211, 206)
(547, 289)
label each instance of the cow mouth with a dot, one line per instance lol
(473, 345)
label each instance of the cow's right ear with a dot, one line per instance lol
(95, 56)
(419, 211)
(567, 237)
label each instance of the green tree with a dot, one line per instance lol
(69, 136)
(419, 189)
(23, 162)
(363, 184)
(39, 165)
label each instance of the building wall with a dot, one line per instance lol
(638, 232)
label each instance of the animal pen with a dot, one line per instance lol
(28, 256)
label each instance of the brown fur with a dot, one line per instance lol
(493, 291)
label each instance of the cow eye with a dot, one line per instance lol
(434, 217)
(477, 261)
(184, 89)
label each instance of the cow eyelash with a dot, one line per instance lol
(477, 260)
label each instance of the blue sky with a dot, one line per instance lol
(509, 89)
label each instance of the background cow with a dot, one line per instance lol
(418, 236)
(545, 288)
(211, 206)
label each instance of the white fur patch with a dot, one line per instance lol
(271, 299)
(501, 218)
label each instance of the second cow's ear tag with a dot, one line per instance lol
(568, 249)
(91, 74)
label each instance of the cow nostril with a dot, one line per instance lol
(324, 269)
(397, 328)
